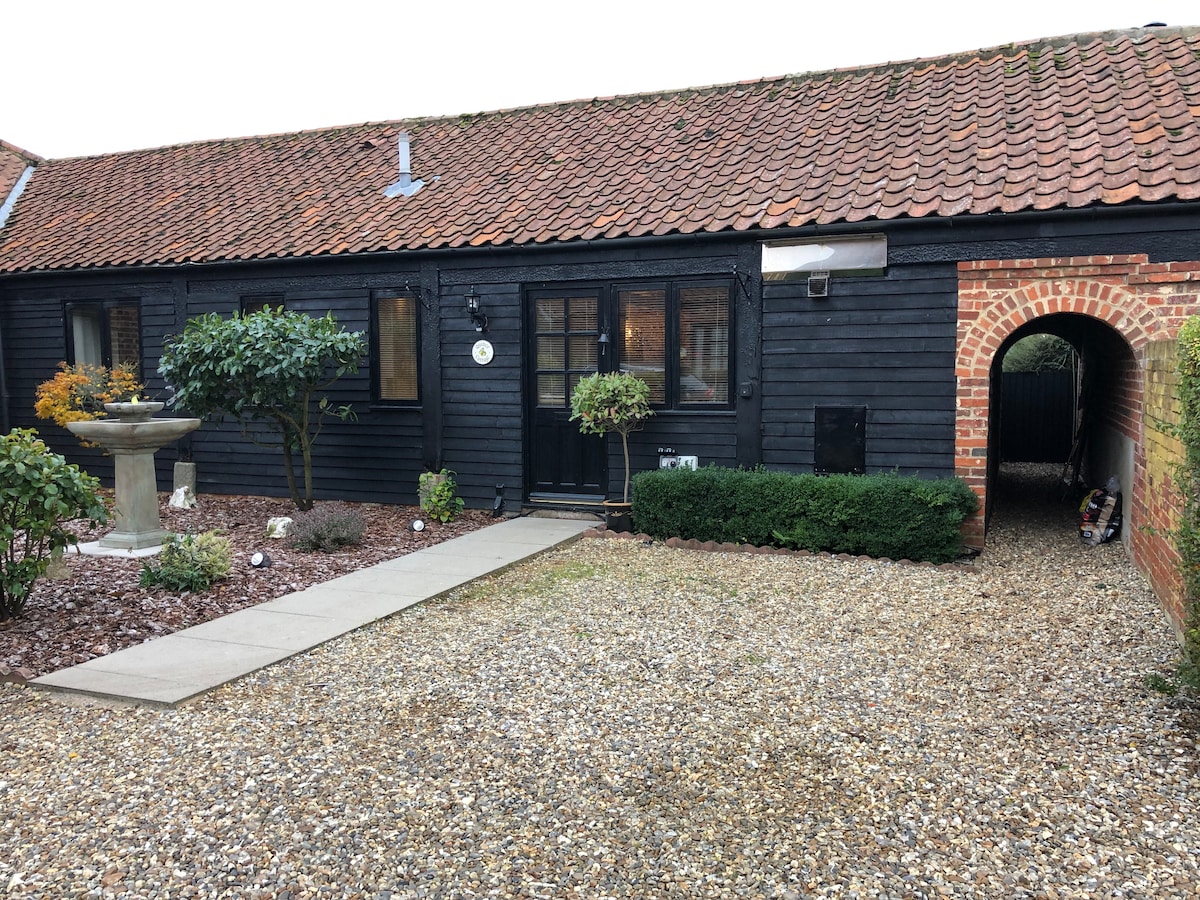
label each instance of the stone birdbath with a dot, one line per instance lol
(132, 437)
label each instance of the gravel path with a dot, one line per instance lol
(620, 720)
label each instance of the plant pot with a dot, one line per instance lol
(618, 516)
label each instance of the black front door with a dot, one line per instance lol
(564, 331)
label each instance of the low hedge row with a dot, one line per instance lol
(899, 517)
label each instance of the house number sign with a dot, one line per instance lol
(482, 352)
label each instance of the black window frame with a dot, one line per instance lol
(248, 304)
(671, 338)
(99, 310)
(377, 400)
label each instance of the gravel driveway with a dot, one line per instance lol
(627, 720)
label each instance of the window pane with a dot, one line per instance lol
(549, 352)
(550, 391)
(124, 340)
(704, 345)
(582, 312)
(253, 303)
(583, 352)
(643, 324)
(85, 336)
(550, 315)
(397, 334)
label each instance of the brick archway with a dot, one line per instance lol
(996, 297)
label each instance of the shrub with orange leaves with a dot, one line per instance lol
(78, 393)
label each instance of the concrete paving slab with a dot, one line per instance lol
(352, 608)
(116, 686)
(174, 668)
(379, 580)
(277, 628)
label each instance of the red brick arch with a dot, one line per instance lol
(997, 297)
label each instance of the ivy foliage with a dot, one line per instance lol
(39, 493)
(1187, 535)
(268, 371)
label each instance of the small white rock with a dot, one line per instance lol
(277, 526)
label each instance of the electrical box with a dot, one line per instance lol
(677, 462)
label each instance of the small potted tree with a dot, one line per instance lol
(617, 402)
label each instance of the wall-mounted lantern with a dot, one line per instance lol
(478, 319)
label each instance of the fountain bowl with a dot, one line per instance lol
(133, 434)
(135, 412)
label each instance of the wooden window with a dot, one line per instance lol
(396, 332)
(704, 345)
(566, 327)
(252, 303)
(675, 337)
(644, 327)
(105, 334)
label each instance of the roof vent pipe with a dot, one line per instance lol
(7, 207)
(405, 186)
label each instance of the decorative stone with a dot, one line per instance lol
(278, 526)
(182, 498)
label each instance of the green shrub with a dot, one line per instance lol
(876, 515)
(189, 562)
(39, 491)
(327, 528)
(438, 497)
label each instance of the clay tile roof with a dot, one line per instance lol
(1060, 123)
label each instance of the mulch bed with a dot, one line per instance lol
(100, 608)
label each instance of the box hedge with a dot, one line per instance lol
(886, 515)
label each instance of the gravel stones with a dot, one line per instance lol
(619, 719)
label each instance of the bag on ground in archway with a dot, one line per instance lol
(1100, 516)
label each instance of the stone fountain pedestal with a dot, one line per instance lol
(132, 439)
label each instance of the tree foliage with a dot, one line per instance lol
(1039, 353)
(77, 393)
(39, 492)
(617, 402)
(266, 370)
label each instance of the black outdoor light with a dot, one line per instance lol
(478, 319)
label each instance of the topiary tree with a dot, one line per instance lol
(39, 491)
(268, 368)
(617, 402)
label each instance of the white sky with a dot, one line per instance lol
(96, 76)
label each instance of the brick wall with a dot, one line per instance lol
(1156, 505)
(1144, 303)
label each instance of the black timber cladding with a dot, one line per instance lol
(886, 343)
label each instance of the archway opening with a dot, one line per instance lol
(1064, 413)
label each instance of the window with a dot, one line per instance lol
(252, 303)
(676, 339)
(101, 334)
(396, 332)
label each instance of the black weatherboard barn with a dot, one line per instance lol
(807, 270)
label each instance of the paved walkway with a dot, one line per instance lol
(180, 666)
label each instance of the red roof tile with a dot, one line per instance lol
(1061, 123)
